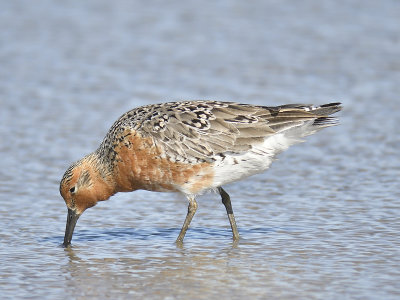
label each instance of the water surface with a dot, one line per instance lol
(322, 223)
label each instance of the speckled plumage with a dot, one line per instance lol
(189, 147)
(196, 131)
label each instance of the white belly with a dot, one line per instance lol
(234, 167)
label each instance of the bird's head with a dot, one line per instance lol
(82, 187)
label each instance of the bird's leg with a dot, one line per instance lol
(226, 200)
(191, 211)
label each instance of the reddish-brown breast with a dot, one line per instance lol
(140, 164)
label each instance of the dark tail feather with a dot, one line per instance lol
(327, 109)
(324, 111)
(325, 121)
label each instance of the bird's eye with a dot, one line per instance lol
(72, 190)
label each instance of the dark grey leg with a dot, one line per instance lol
(226, 200)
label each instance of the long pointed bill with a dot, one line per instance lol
(72, 218)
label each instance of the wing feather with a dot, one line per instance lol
(200, 130)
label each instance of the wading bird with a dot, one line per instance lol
(188, 147)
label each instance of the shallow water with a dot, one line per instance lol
(322, 223)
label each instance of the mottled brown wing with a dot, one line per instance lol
(199, 130)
